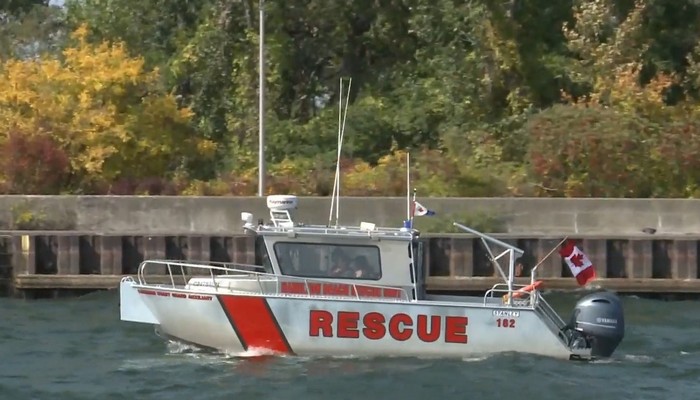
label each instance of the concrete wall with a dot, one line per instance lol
(221, 215)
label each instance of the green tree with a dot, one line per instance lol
(30, 28)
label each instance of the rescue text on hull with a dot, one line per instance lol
(294, 301)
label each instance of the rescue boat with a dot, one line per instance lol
(357, 291)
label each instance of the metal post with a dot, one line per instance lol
(261, 106)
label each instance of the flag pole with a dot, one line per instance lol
(413, 207)
(261, 101)
(408, 187)
(532, 273)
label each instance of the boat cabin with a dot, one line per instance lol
(360, 255)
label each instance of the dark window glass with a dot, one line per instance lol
(319, 260)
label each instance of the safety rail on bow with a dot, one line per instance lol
(220, 277)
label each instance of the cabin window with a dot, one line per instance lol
(320, 260)
(418, 258)
(261, 256)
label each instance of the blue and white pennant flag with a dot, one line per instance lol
(419, 210)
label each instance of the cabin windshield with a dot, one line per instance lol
(261, 256)
(417, 273)
(417, 256)
(321, 260)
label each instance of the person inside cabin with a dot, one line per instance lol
(266, 263)
(361, 268)
(341, 265)
(519, 267)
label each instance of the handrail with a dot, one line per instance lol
(354, 289)
(195, 265)
(549, 311)
(332, 229)
(503, 288)
(347, 232)
(510, 250)
(489, 238)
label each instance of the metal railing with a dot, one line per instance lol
(552, 319)
(350, 231)
(523, 298)
(534, 300)
(510, 251)
(548, 311)
(235, 277)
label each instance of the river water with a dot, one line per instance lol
(78, 349)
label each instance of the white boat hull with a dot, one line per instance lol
(303, 325)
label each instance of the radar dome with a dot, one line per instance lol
(282, 202)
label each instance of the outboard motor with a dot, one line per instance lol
(598, 322)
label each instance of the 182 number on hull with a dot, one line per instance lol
(505, 323)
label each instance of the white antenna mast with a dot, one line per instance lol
(342, 136)
(335, 179)
(335, 197)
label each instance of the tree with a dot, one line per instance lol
(33, 163)
(154, 30)
(571, 147)
(29, 28)
(102, 108)
(17, 7)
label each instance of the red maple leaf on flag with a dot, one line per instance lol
(583, 273)
(577, 259)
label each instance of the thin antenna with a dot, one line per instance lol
(340, 147)
(337, 171)
(335, 197)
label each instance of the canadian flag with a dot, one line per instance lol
(581, 266)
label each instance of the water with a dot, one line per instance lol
(78, 349)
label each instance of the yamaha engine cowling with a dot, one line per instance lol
(598, 321)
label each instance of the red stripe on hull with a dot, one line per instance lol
(254, 323)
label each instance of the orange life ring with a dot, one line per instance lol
(520, 292)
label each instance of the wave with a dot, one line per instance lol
(476, 358)
(175, 347)
(639, 358)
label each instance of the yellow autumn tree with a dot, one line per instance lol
(102, 108)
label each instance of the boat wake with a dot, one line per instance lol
(639, 358)
(624, 359)
(254, 352)
(175, 347)
(476, 358)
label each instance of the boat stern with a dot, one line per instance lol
(132, 308)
